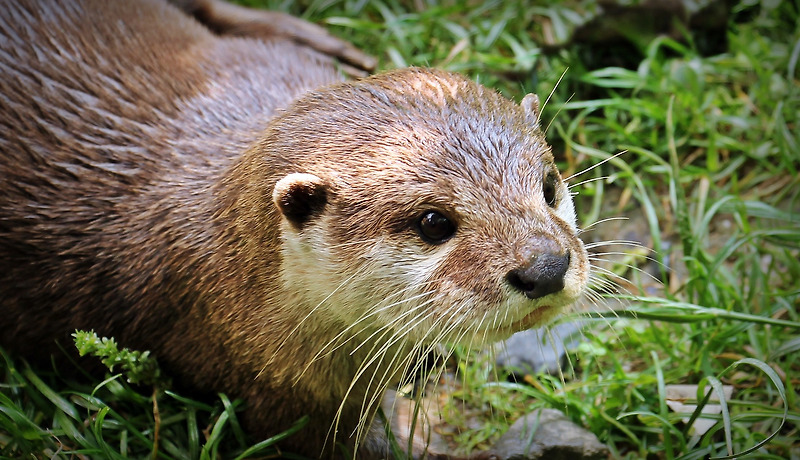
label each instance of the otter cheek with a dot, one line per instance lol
(473, 279)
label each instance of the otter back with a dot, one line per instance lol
(100, 107)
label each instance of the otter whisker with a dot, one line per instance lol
(420, 318)
(379, 350)
(369, 314)
(549, 96)
(441, 333)
(587, 181)
(598, 258)
(631, 267)
(588, 227)
(606, 282)
(598, 287)
(602, 258)
(630, 243)
(420, 351)
(405, 361)
(372, 311)
(552, 340)
(600, 302)
(481, 326)
(449, 320)
(322, 353)
(584, 171)
(376, 386)
(380, 346)
(397, 319)
(300, 323)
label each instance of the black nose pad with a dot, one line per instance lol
(542, 275)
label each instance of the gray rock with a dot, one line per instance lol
(548, 434)
(536, 350)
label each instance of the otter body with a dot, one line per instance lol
(264, 228)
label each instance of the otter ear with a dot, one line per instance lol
(299, 197)
(530, 104)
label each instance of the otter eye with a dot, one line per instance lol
(435, 228)
(549, 189)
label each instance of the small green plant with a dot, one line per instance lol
(137, 366)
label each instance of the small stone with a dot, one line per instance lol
(548, 434)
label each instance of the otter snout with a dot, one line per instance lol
(542, 275)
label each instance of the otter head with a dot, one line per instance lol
(420, 203)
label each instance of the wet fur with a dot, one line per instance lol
(140, 155)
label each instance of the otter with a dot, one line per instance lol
(265, 227)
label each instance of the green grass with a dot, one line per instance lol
(45, 415)
(710, 173)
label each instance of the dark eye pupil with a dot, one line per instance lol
(435, 228)
(549, 190)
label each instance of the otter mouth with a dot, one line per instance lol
(530, 320)
(535, 318)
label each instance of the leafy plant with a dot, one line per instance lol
(138, 367)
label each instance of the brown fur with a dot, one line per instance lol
(140, 154)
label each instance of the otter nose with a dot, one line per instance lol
(542, 275)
